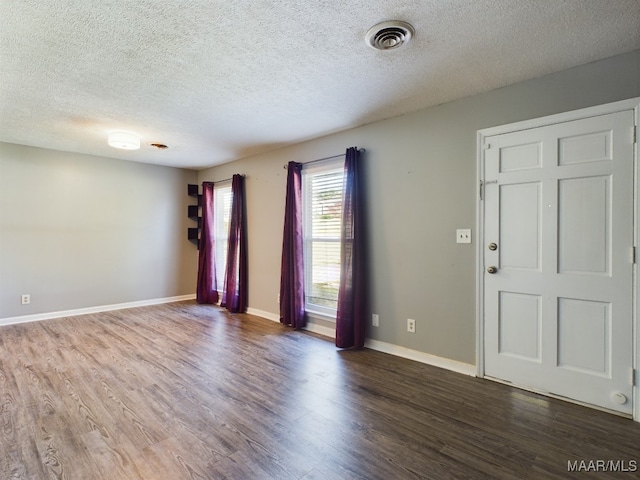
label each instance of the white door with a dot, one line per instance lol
(558, 205)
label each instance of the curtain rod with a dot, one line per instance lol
(225, 180)
(361, 150)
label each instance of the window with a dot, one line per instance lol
(322, 217)
(221, 219)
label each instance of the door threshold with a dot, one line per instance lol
(559, 397)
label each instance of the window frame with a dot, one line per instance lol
(221, 234)
(308, 172)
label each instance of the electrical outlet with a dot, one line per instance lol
(375, 320)
(463, 235)
(278, 299)
(411, 325)
(25, 299)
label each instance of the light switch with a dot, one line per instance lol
(463, 235)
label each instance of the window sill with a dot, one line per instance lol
(315, 315)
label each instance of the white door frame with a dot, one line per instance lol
(630, 104)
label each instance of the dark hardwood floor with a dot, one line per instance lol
(183, 391)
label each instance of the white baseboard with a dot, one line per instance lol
(320, 330)
(261, 313)
(459, 367)
(390, 348)
(311, 327)
(447, 364)
(83, 311)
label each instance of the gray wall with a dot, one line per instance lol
(79, 231)
(421, 182)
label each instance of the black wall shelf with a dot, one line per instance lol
(193, 233)
(193, 212)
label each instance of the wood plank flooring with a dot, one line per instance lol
(183, 391)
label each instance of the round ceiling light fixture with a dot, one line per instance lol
(124, 140)
(389, 35)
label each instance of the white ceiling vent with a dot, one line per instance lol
(389, 35)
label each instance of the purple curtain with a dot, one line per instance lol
(351, 316)
(292, 271)
(206, 289)
(234, 293)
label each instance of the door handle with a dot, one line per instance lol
(492, 269)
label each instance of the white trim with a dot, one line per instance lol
(321, 330)
(396, 350)
(596, 111)
(84, 311)
(479, 250)
(321, 312)
(384, 347)
(318, 315)
(636, 272)
(328, 167)
(311, 327)
(261, 313)
(629, 104)
(440, 362)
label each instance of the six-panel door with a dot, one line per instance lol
(558, 309)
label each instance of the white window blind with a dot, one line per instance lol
(322, 205)
(221, 219)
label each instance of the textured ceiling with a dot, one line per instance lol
(220, 80)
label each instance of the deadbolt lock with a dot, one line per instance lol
(493, 246)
